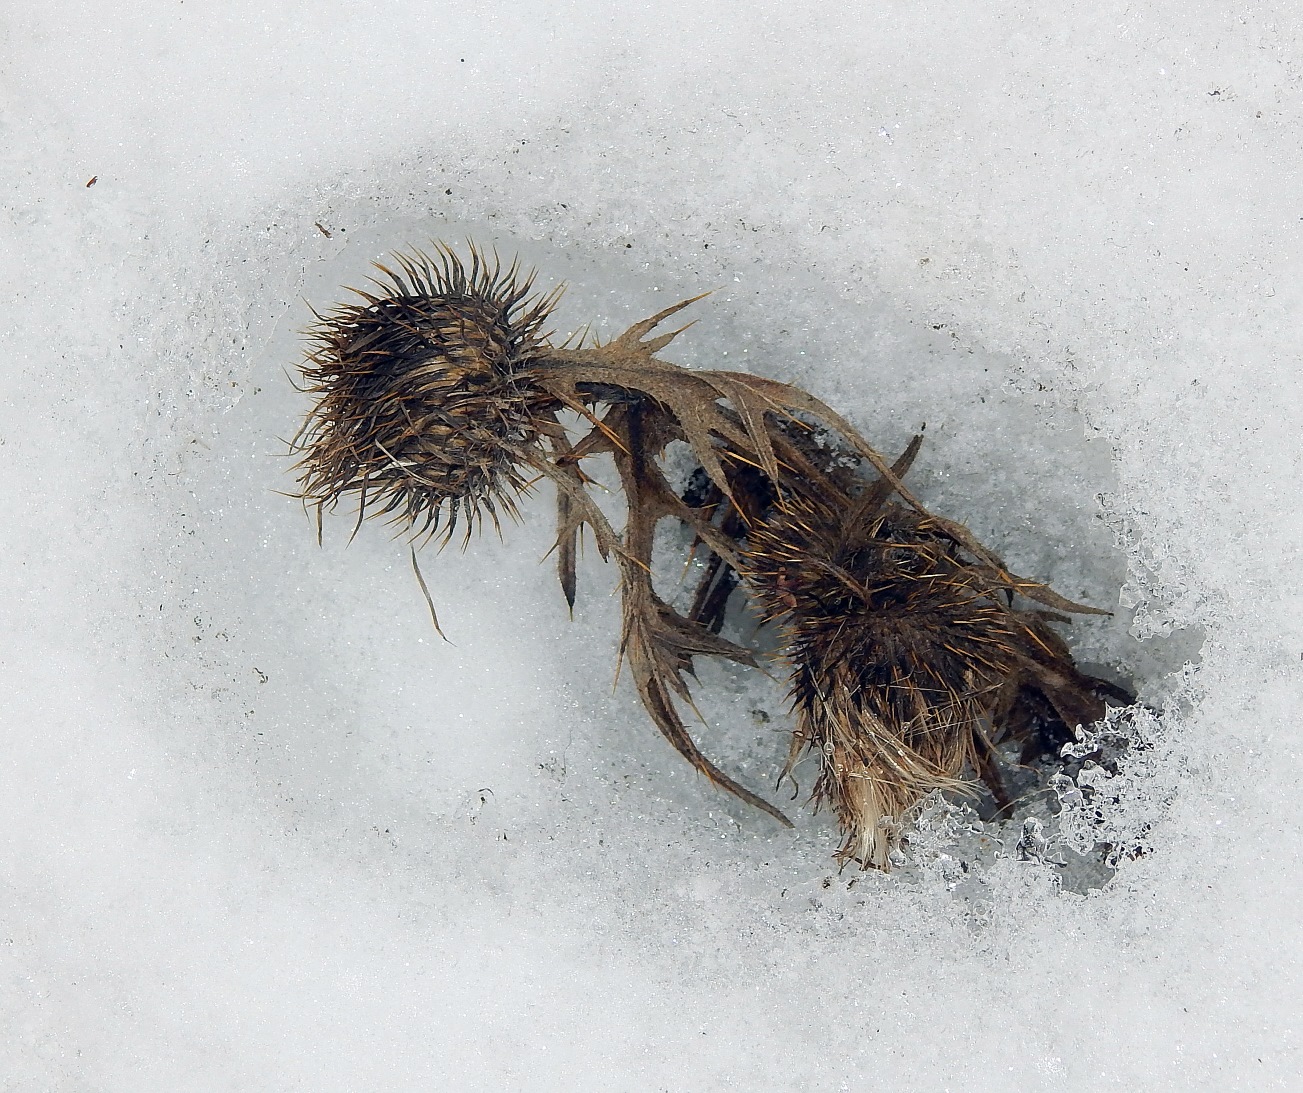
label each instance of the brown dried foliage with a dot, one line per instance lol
(440, 398)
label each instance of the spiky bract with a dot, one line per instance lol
(425, 398)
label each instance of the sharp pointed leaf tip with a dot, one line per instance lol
(659, 343)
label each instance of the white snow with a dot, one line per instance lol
(261, 829)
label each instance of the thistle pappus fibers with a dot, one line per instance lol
(440, 398)
(908, 659)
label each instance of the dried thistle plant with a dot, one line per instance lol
(440, 398)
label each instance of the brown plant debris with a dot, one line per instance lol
(915, 656)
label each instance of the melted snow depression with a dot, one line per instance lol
(264, 830)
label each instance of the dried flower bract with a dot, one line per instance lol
(914, 654)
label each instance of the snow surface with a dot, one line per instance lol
(262, 830)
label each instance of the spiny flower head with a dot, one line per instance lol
(900, 649)
(424, 393)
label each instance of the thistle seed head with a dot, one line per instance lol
(899, 650)
(424, 395)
